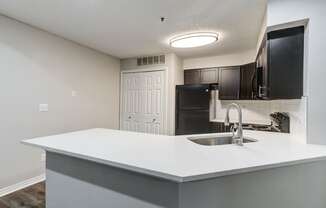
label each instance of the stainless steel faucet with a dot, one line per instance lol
(238, 136)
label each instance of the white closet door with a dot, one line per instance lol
(143, 102)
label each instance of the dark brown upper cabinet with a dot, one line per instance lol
(238, 82)
(201, 76)
(280, 64)
(277, 73)
(192, 76)
(248, 82)
(229, 83)
(209, 76)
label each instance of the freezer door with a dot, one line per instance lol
(193, 97)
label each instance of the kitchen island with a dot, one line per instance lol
(111, 168)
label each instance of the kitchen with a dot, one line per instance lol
(238, 122)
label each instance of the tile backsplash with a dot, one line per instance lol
(297, 110)
(257, 112)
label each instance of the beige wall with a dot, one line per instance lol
(221, 60)
(37, 67)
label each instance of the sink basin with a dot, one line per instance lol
(217, 140)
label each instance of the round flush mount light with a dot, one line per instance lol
(194, 40)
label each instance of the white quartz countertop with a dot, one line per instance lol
(176, 158)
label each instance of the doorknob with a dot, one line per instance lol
(154, 119)
(129, 117)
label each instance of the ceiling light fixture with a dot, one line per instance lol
(194, 40)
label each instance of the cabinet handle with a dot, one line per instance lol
(177, 111)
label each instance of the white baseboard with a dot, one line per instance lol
(21, 185)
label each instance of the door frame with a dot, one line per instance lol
(165, 93)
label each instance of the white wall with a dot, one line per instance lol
(262, 32)
(282, 11)
(221, 60)
(37, 67)
(175, 71)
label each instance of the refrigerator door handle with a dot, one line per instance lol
(177, 111)
(213, 108)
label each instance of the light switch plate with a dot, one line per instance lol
(73, 93)
(43, 107)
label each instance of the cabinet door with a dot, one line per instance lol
(192, 76)
(262, 77)
(209, 76)
(247, 82)
(285, 62)
(263, 90)
(219, 127)
(229, 83)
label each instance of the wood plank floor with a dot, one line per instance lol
(31, 197)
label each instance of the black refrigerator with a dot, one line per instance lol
(193, 109)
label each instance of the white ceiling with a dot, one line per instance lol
(129, 28)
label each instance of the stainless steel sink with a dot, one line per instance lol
(217, 140)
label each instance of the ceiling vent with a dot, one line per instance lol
(150, 60)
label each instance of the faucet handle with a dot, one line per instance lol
(233, 128)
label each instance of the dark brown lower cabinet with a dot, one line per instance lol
(219, 127)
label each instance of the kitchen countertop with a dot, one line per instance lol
(176, 158)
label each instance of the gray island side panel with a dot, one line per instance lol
(74, 182)
(297, 186)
